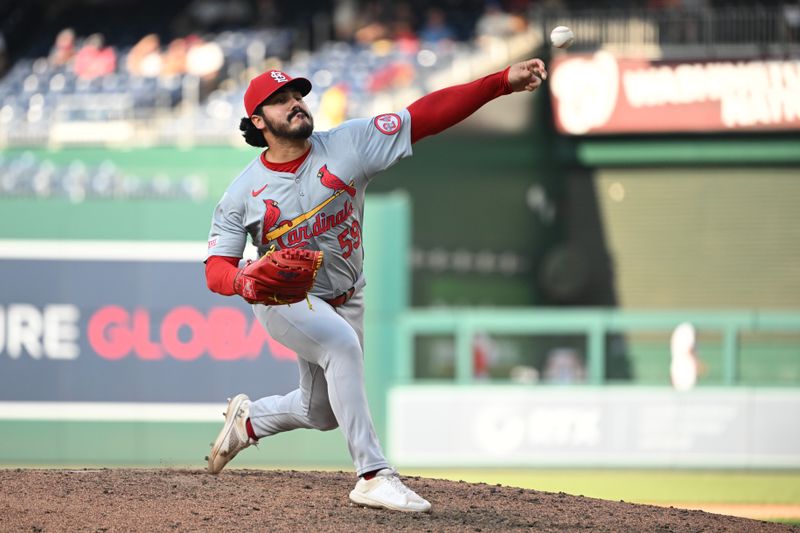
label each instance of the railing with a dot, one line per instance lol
(464, 324)
(739, 25)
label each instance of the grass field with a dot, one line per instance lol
(704, 486)
(774, 495)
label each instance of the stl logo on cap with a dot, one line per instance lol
(264, 85)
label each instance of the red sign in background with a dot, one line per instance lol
(221, 333)
(602, 93)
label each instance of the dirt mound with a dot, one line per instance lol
(247, 500)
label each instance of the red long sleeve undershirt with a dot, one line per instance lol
(437, 111)
(220, 271)
(431, 114)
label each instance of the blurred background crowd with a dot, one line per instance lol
(144, 61)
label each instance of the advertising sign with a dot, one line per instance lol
(602, 94)
(633, 426)
(129, 330)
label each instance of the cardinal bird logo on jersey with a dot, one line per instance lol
(272, 214)
(332, 181)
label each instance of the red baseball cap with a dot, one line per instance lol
(264, 85)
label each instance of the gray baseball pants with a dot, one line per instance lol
(329, 345)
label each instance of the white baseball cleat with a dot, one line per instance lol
(233, 438)
(387, 491)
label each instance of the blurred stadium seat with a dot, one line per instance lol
(26, 176)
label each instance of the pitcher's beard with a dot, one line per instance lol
(286, 131)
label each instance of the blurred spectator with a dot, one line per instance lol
(371, 28)
(494, 22)
(3, 54)
(693, 16)
(267, 14)
(371, 32)
(791, 15)
(144, 59)
(173, 62)
(395, 75)
(678, 20)
(685, 365)
(484, 354)
(345, 19)
(564, 366)
(436, 27)
(403, 32)
(333, 105)
(93, 59)
(204, 59)
(405, 38)
(63, 48)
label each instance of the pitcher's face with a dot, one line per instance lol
(287, 116)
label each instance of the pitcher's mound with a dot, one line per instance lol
(258, 500)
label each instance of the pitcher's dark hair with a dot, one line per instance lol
(252, 135)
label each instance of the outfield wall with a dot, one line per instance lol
(507, 426)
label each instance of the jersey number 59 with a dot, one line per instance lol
(350, 239)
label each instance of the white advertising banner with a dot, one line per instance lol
(523, 426)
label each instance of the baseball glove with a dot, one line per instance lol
(279, 277)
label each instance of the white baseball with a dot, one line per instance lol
(562, 37)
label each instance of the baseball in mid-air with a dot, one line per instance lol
(562, 37)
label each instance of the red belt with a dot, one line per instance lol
(342, 298)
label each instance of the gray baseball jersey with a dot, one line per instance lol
(319, 207)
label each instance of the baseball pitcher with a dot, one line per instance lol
(301, 203)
